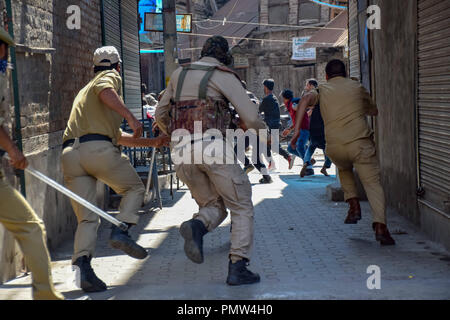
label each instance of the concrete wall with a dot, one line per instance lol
(394, 74)
(273, 60)
(394, 49)
(48, 82)
(325, 55)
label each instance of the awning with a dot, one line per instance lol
(334, 34)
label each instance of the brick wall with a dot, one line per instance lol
(55, 64)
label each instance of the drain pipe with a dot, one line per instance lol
(18, 125)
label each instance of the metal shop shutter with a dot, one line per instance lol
(120, 29)
(111, 24)
(131, 56)
(364, 45)
(434, 101)
(353, 33)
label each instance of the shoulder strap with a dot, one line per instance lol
(204, 82)
(180, 83)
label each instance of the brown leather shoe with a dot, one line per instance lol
(303, 171)
(354, 213)
(382, 234)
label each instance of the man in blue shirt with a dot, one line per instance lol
(271, 109)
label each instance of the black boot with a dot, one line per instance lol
(121, 240)
(193, 231)
(266, 179)
(89, 282)
(238, 274)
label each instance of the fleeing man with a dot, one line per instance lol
(316, 137)
(344, 105)
(271, 110)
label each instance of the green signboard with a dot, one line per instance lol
(154, 22)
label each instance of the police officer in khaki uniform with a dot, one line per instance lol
(16, 215)
(344, 105)
(215, 187)
(91, 153)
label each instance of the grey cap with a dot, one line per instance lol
(269, 83)
(106, 56)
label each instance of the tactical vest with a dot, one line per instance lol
(213, 113)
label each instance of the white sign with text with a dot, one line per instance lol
(300, 53)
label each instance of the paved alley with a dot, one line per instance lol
(303, 250)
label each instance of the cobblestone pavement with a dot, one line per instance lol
(303, 250)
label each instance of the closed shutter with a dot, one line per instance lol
(120, 29)
(434, 101)
(355, 70)
(131, 56)
(111, 24)
(364, 47)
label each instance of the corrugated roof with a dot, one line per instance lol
(331, 37)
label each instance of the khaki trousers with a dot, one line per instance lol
(361, 155)
(85, 163)
(18, 217)
(215, 188)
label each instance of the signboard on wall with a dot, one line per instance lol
(154, 22)
(240, 61)
(300, 53)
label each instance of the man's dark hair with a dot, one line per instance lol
(217, 47)
(336, 68)
(104, 68)
(313, 82)
(269, 84)
(287, 94)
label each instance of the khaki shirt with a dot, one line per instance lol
(90, 115)
(344, 104)
(222, 84)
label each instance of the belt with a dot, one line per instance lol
(87, 138)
